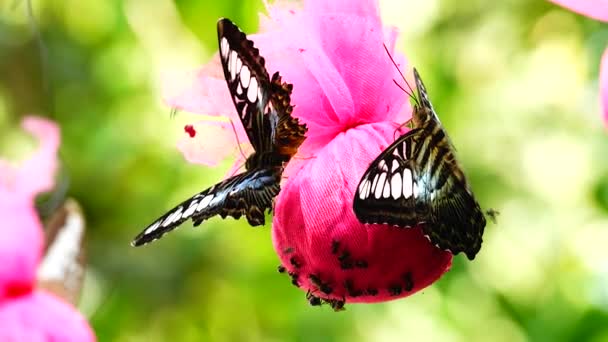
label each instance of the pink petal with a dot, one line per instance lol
(42, 317)
(334, 86)
(21, 236)
(596, 9)
(199, 92)
(21, 241)
(212, 143)
(604, 84)
(37, 173)
(314, 208)
(366, 8)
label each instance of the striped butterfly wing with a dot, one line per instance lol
(249, 194)
(437, 192)
(248, 82)
(62, 268)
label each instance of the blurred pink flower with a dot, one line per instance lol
(598, 10)
(333, 54)
(27, 314)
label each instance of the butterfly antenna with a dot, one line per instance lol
(238, 143)
(237, 169)
(411, 92)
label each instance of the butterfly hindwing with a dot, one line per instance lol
(249, 194)
(438, 196)
(388, 192)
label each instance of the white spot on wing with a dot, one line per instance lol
(252, 90)
(375, 182)
(245, 76)
(366, 185)
(168, 220)
(416, 190)
(152, 228)
(204, 202)
(380, 185)
(224, 47)
(239, 64)
(386, 193)
(177, 215)
(232, 64)
(382, 165)
(239, 89)
(407, 183)
(395, 165)
(190, 209)
(396, 188)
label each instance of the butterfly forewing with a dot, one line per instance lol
(417, 180)
(248, 82)
(249, 193)
(62, 268)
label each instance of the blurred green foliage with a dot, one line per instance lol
(515, 83)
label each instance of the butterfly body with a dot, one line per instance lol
(417, 180)
(264, 107)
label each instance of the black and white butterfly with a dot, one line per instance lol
(417, 180)
(62, 268)
(263, 104)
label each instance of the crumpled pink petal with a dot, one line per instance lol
(40, 316)
(314, 208)
(329, 71)
(22, 239)
(604, 85)
(596, 9)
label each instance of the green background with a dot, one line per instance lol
(514, 82)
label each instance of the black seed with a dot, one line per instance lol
(361, 263)
(335, 244)
(409, 281)
(281, 269)
(294, 279)
(346, 264)
(371, 291)
(344, 256)
(394, 290)
(295, 262)
(350, 289)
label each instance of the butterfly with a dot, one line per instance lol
(264, 107)
(61, 270)
(417, 180)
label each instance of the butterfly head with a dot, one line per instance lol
(423, 110)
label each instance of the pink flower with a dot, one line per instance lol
(598, 10)
(333, 53)
(28, 314)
